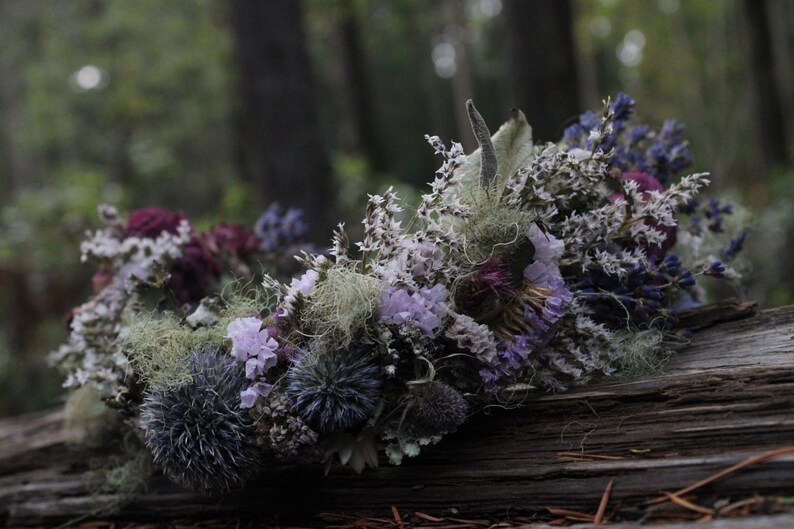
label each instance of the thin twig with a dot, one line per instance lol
(681, 502)
(397, 517)
(767, 456)
(602, 508)
(573, 515)
(581, 455)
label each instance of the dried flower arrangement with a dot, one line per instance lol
(526, 267)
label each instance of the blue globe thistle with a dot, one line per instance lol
(197, 433)
(336, 389)
(436, 406)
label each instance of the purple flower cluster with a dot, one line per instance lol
(662, 154)
(256, 348)
(424, 309)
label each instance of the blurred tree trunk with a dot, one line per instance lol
(544, 80)
(14, 167)
(280, 142)
(768, 102)
(462, 83)
(359, 88)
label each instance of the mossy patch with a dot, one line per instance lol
(339, 308)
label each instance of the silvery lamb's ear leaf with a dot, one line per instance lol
(514, 149)
(488, 163)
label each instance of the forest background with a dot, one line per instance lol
(216, 108)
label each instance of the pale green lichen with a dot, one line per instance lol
(642, 353)
(338, 310)
(494, 231)
(88, 422)
(159, 344)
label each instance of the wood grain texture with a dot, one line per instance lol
(725, 398)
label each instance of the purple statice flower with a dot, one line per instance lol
(544, 272)
(256, 348)
(511, 357)
(277, 229)
(545, 267)
(423, 309)
(254, 392)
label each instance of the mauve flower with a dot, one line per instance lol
(101, 279)
(151, 222)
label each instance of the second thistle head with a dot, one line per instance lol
(336, 389)
(436, 406)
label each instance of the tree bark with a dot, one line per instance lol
(280, 144)
(727, 397)
(544, 80)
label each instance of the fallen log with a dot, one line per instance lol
(726, 398)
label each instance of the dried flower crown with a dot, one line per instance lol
(524, 267)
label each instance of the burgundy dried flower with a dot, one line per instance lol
(645, 184)
(234, 240)
(151, 222)
(193, 275)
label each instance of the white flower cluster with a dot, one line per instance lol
(92, 354)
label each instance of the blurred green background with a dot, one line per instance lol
(216, 108)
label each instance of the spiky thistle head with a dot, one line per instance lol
(335, 389)
(436, 406)
(197, 433)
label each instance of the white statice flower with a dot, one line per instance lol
(383, 233)
(92, 354)
(298, 289)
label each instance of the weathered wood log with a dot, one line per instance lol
(727, 397)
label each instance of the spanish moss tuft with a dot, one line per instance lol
(341, 305)
(436, 406)
(159, 345)
(642, 353)
(197, 433)
(494, 231)
(335, 390)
